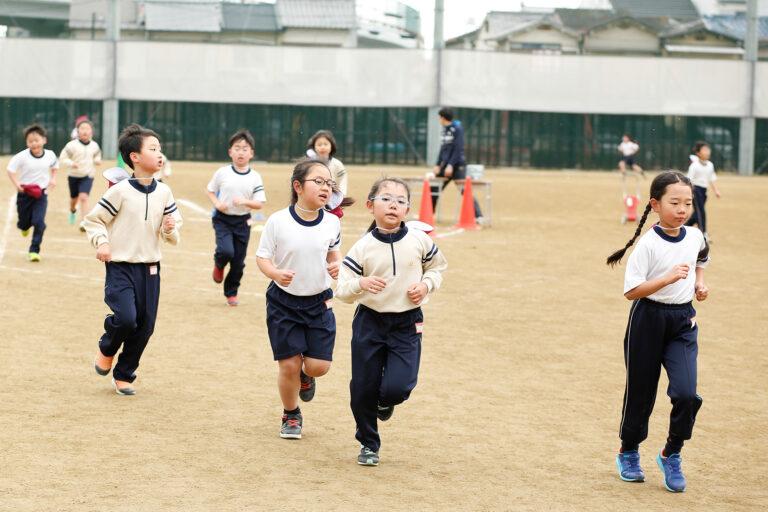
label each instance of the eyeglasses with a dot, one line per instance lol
(387, 200)
(320, 182)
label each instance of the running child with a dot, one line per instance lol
(33, 173)
(389, 272)
(234, 190)
(126, 227)
(661, 281)
(701, 172)
(299, 251)
(81, 155)
(322, 145)
(628, 148)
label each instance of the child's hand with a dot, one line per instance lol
(97, 161)
(283, 277)
(75, 165)
(448, 171)
(221, 206)
(679, 272)
(169, 223)
(717, 194)
(372, 284)
(701, 292)
(333, 269)
(104, 252)
(417, 292)
(238, 201)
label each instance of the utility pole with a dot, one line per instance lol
(433, 124)
(747, 124)
(110, 110)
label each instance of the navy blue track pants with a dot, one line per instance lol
(131, 291)
(660, 335)
(699, 216)
(386, 350)
(232, 236)
(32, 214)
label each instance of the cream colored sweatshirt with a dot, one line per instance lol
(130, 218)
(86, 155)
(401, 259)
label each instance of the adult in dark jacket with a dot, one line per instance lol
(450, 162)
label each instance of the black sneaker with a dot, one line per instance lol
(384, 413)
(307, 389)
(291, 428)
(367, 457)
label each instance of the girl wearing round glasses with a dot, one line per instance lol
(299, 251)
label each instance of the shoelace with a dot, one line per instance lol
(633, 463)
(292, 422)
(674, 464)
(368, 451)
(306, 384)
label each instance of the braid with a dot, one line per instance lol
(615, 258)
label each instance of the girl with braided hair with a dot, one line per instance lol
(661, 282)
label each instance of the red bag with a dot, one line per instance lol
(33, 190)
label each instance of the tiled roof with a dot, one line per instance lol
(328, 14)
(249, 17)
(677, 9)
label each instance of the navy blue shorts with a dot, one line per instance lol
(300, 325)
(629, 160)
(79, 186)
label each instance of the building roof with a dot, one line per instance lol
(677, 9)
(324, 14)
(249, 17)
(581, 20)
(732, 26)
(35, 9)
(550, 20)
(183, 16)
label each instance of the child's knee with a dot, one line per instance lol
(290, 366)
(395, 393)
(316, 367)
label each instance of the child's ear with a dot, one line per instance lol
(655, 205)
(369, 205)
(297, 186)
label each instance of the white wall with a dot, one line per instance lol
(379, 77)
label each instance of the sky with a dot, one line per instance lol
(461, 16)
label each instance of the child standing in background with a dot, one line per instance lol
(299, 252)
(126, 227)
(701, 172)
(234, 190)
(322, 145)
(165, 169)
(662, 330)
(81, 155)
(32, 171)
(389, 272)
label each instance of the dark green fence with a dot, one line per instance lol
(57, 117)
(199, 131)
(589, 141)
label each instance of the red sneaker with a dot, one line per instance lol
(218, 274)
(232, 301)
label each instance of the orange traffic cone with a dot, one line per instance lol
(467, 215)
(426, 214)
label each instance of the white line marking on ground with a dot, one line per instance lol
(450, 233)
(7, 226)
(194, 206)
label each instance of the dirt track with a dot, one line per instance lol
(520, 389)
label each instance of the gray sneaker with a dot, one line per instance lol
(367, 457)
(384, 413)
(307, 389)
(291, 428)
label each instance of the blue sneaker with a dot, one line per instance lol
(674, 480)
(72, 217)
(629, 466)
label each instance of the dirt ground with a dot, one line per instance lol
(519, 395)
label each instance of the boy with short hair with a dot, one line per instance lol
(32, 171)
(82, 155)
(234, 190)
(126, 227)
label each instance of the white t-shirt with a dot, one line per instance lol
(295, 244)
(656, 253)
(230, 183)
(33, 170)
(701, 174)
(628, 148)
